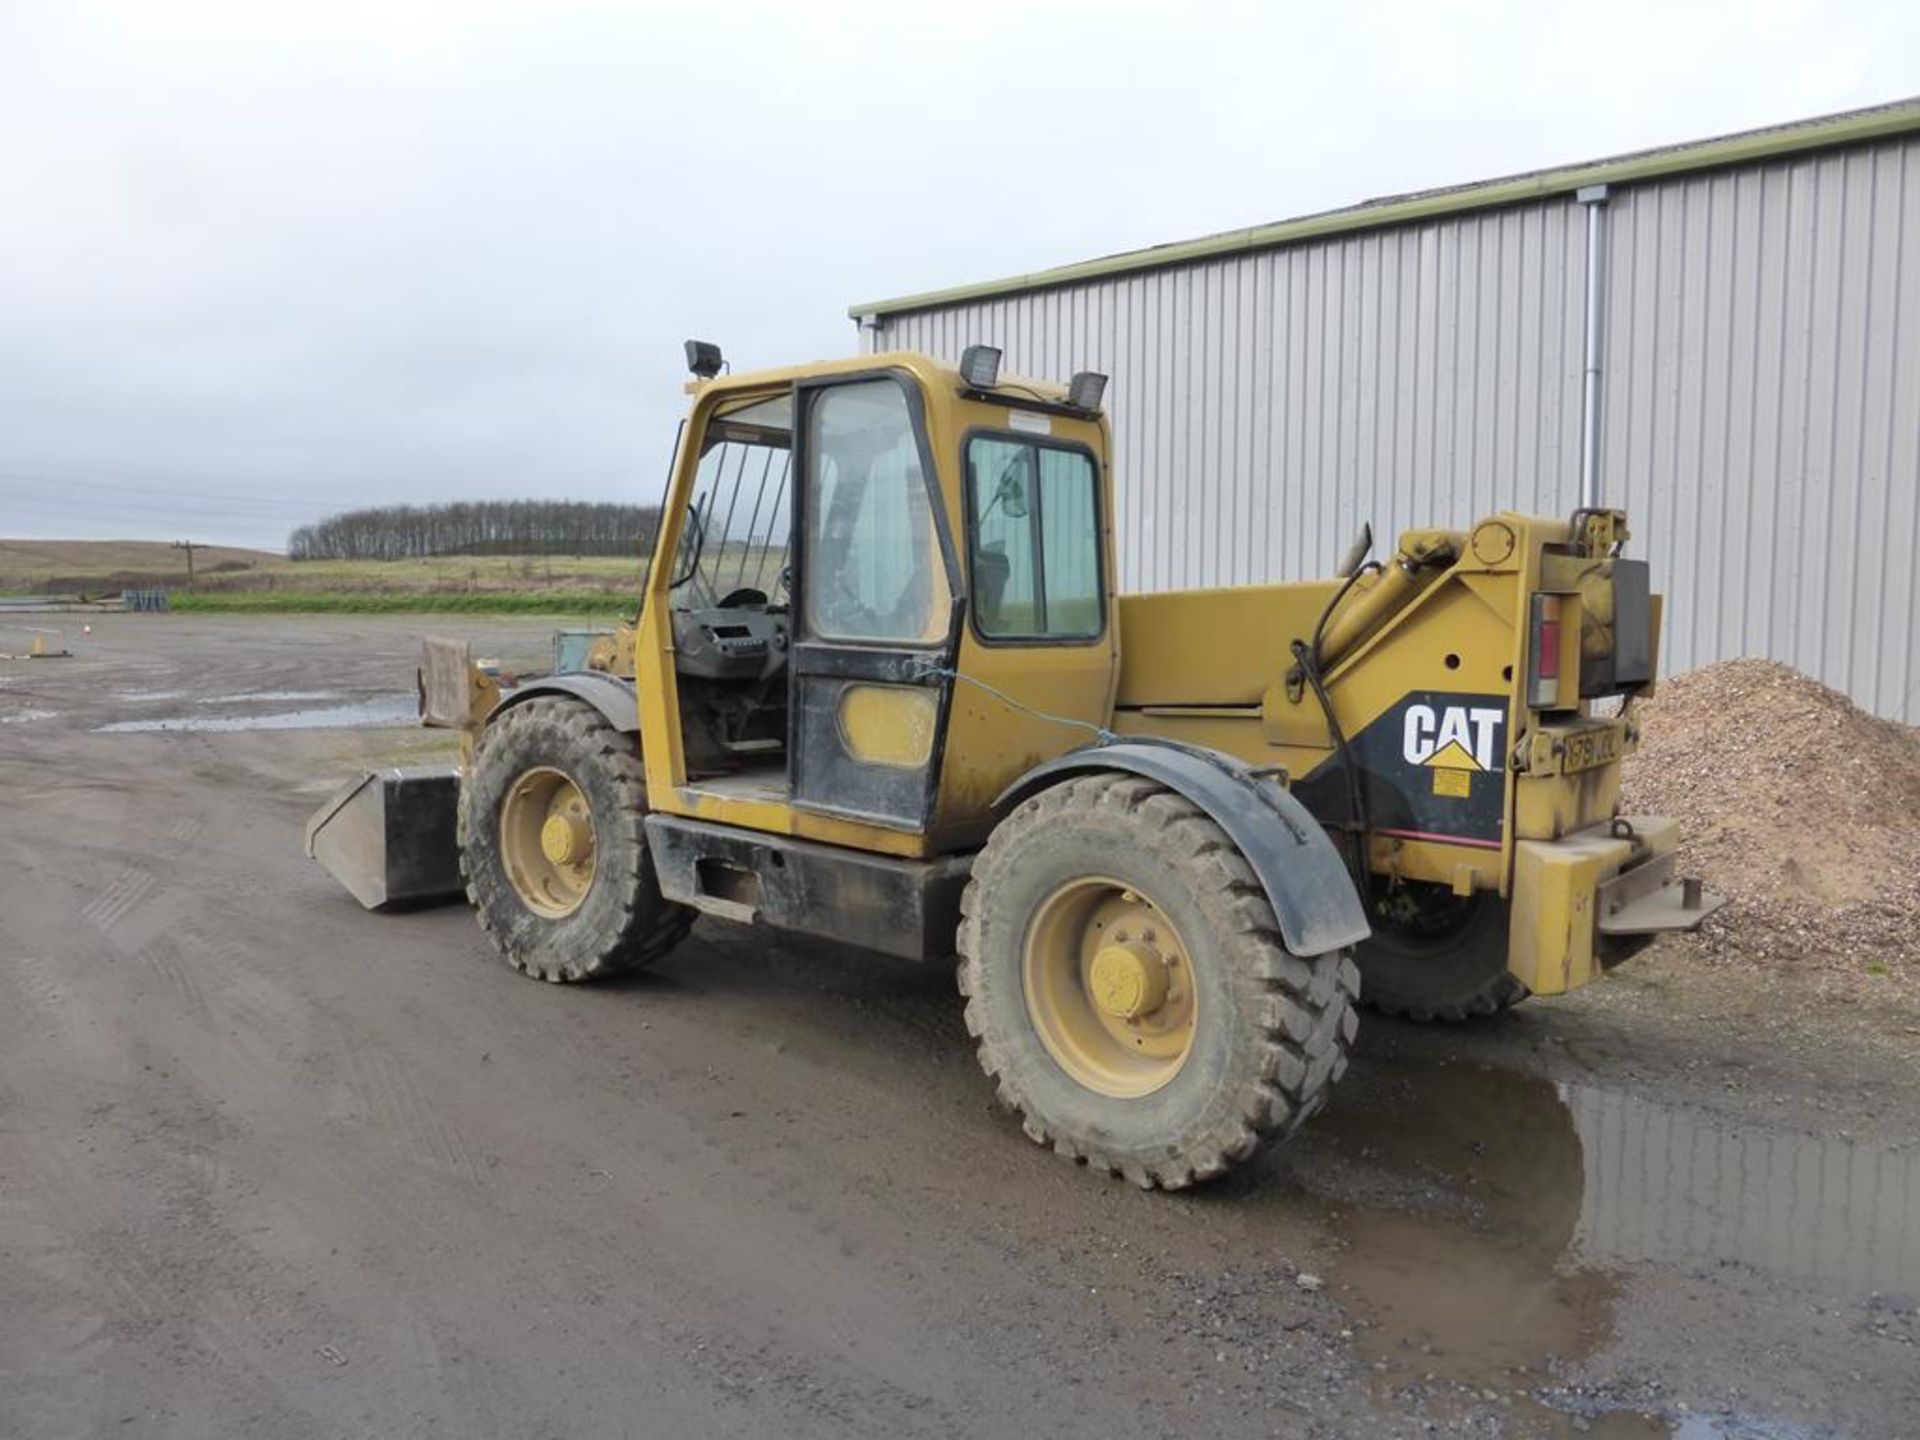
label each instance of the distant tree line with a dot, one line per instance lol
(480, 527)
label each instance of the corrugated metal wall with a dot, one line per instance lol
(1763, 422)
(1763, 417)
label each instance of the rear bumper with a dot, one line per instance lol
(1592, 898)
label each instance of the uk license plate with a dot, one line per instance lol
(1590, 749)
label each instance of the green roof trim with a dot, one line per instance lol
(1854, 126)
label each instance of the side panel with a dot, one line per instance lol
(907, 908)
(1434, 768)
(1214, 647)
(1020, 701)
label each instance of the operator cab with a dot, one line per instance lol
(768, 635)
(823, 521)
(875, 562)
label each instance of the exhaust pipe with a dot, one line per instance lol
(1593, 393)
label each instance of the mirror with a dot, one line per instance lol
(1011, 496)
(1357, 552)
(1010, 490)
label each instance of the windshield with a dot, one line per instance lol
(736, 532)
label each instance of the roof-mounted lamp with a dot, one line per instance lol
(980, 366)
(1086, 390)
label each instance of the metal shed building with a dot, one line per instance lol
(1422, 360)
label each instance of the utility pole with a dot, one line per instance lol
(188, 546)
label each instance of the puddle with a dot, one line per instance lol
(20, 717)
(401, 709)
(1483, 1215)
(268, 697)
(1460, 1192)
(1684, 1187)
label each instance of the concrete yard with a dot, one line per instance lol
(271, 1166)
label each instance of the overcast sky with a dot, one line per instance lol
(261, 262)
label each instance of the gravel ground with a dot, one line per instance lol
(1801, 808)
(277, 1167)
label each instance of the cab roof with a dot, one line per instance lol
(929, 371)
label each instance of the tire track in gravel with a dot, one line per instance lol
(127, 891)
(118, 1256)
(386, 1097)
(168, 961)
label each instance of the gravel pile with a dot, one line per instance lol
(1797, 805)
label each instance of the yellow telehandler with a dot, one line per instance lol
(882, 689)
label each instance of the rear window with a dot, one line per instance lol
(1034, 540)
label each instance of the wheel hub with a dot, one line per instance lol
(547, 842)
(1128, 979)
(564, 839)
(1109, 987)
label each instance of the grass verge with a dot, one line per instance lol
(593, 603)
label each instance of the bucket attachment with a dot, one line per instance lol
(390, 837)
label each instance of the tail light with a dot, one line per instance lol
(1543, 670)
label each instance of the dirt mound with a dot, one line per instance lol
(1795, 803)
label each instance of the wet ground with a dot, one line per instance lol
(270, 1165)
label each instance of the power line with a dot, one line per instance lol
(241, 500)
(47, 504)
(163, 484)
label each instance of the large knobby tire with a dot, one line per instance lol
(1444, 958)
(1266, 1032)
(613, 918)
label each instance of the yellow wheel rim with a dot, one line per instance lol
(547, 842)
(1110, 987)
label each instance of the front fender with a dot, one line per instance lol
(612, 695)
(1306, 881)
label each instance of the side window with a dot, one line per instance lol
(736, 536)
(1034, 538)
(873, 568)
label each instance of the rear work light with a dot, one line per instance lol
(1543, 668)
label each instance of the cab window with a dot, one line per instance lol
(873, 566)
(1034, 536)
(735, 537)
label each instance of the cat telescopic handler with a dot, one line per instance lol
(882, 689)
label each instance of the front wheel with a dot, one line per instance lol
(553, 849)
(1128, 990)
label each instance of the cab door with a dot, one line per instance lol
(875, 621)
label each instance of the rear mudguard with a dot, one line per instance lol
(1306, 881)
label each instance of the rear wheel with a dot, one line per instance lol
(1128, 990)
(1435, 955)
(552, 846)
